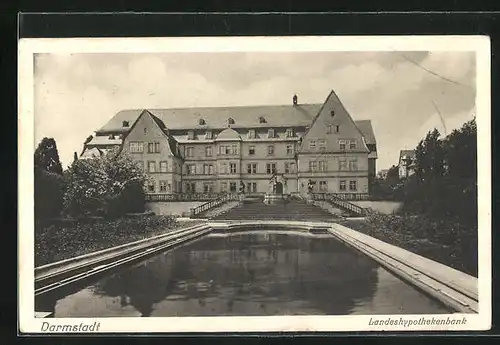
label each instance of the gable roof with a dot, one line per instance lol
(301, 115)
(216, 117)
(409, 153)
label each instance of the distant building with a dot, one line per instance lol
(382, 174)
(406, 164)
(217, 149)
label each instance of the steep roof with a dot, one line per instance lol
(409, 153)
(300, 115)
(217, 117)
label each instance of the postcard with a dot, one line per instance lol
(254, 184)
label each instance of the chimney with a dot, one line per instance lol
(294, 99)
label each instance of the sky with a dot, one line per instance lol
(404, 94)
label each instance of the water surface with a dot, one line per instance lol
(259, 273)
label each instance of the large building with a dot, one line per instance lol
(218, 149)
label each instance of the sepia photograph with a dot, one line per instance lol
(254, 184)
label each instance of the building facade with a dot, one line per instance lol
(406, 163)
(220, 149)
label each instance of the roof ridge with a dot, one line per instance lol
(221, 107)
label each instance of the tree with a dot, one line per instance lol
(47, 157)
(109, 185)
(48, 180)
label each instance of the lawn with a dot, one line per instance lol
(447, 242)
(63, 240)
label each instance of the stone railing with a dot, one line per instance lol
(343, 204)
(213, 203)
(183, 197)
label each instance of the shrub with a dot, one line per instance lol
(49, 192)
(110, 185)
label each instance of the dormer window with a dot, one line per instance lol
(201, 122)
(230, 121)
(251, 134)
(262, 119)
(270, 133)
(125, 124)
(190, 135)
(208, 135)
(289, 132)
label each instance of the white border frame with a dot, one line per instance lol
(28, 47)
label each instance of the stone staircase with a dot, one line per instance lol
(296, 210)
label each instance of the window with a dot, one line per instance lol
(136, 147)
(232, 186)
(208, 151)
(163, 167)
(289, 132)
(342, 144)
(329, 129)
(208, 187)
(190, 169)
(189, 151)
(201, 122)
(190, 187)
(353, 165)
(234, 149)
(289, 150)
(353, 185)
(313, 166)
(154, 147)
(232, 167)
(342, 185)
(163, 186)
(251, 187)
(151, 186)
(289, 168)
(337, 128)
(270, 133)
(322, 144)
(145, 130)
(270, 150)
(125, 123)
(251, 150)
(251, 134)
(352, 144)
(322, 165)
(190, 135)
(271, 168)
(323, 186)
(152, 167)
(252, 168)
(312, 144)
(223, 186)
(208, 169)
(209, 135)
(262, 119)
(332, 113)
(343, 165)
(230, 121)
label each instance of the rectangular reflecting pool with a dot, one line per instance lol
(248, 274)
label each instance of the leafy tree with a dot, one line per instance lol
(47, 157)
(445, 183)
(109, 185)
